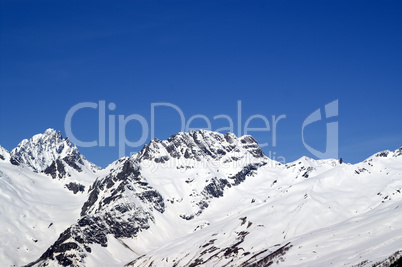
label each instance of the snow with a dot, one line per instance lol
(34, 210)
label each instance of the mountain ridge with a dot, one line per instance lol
(211, 196)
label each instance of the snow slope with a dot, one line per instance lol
(34, 210)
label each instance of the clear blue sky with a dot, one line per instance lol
(277, 57)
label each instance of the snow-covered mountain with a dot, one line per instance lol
(199, 199)
(51, 154)
(42, 185)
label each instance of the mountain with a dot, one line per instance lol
(204, 199)
(51, 154)
(348, 215)
(42, 185)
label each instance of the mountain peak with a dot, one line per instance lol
(385, 154)
(45, 149)
(199, 145)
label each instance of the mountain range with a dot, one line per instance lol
(200, 198)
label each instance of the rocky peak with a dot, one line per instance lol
(199, 145)
(49, 151)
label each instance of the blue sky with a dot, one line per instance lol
(276, 57)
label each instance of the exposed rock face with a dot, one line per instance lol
(75, 187)
(56, 169)
(74, 160)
